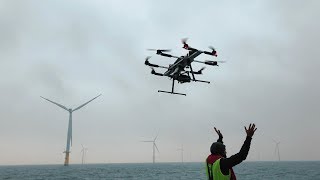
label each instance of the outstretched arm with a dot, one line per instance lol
(227, 163)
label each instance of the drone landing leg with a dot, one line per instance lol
(192, 73)
(172, 86)
(194, 79)
(172, 90)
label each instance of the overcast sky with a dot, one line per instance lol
(71, 51)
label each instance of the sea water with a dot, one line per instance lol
(246, 170)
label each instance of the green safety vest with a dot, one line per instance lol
(214, 172)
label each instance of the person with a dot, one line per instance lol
(219, 167)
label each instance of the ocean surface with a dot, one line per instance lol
(303, 170)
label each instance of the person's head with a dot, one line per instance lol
(218, 148)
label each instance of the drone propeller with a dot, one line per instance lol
(216, 61)
(163, 50)
(146, 62)
(152, 70)
(160, 51)
(184, 42)
(212, 48)
(213, 51)
(200, 71)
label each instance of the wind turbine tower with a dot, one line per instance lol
(84, 153)
(181, 149)
(277, 149)
(154, 146)
(69, 134)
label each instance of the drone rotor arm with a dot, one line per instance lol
(155, 73)
(147, 63)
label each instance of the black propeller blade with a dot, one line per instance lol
(163, 50)
(184, 42)
(153, 71)
(146, 62)
(218, 61)
(160, 51)
(212, 48)
(212, 53)
(199, 72)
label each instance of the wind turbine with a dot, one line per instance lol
(154, 146)
(181, 149)
(84, 153)
(69, 134)
(277, 149)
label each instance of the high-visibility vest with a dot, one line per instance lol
(214, 171)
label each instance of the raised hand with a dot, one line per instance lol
(250, 131)
(218, 132)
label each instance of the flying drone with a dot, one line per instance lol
(181, 69)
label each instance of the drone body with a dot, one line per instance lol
(178, 71)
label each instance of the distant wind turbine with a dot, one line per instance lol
(277, 149)
(181, 149)
(69, 134)
(84, 153)
(154, 146)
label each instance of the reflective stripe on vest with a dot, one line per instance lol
(214, 171)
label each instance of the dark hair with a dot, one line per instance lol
(217, 148)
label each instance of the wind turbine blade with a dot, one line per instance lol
(277, 142)
(63, 107)
(156, 137)
(146, 141)
(86, 103)
(156, 147)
